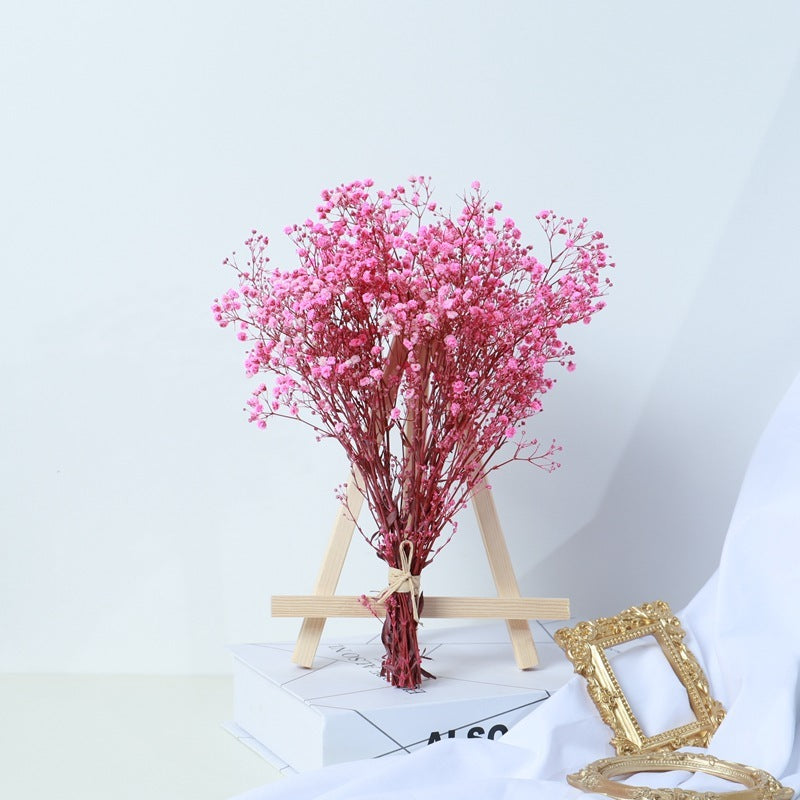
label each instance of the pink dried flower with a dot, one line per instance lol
(420, 341)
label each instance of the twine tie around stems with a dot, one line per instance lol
(401, 580)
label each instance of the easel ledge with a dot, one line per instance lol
(524, 608)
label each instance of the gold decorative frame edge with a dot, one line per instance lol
(584, 645)
(596, 778)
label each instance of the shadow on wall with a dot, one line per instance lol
(659, 528)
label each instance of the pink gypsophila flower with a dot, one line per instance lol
(420, 340)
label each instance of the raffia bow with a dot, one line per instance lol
(401, 580)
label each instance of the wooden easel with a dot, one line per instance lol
(508, 605)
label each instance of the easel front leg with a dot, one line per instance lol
(503, 573)
(330, 571)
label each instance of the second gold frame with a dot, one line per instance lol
(585, 646)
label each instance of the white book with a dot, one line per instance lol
(342, 710)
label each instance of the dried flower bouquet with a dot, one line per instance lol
(419, 341)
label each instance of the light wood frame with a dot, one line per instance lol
(509, 605)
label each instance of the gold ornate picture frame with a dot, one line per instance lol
(597, 778)
(585, 646)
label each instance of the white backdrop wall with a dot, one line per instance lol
(144, 522)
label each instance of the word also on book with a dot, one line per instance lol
(476, 732)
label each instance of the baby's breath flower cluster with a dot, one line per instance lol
(419, 341)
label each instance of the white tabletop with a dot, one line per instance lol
(121, 737)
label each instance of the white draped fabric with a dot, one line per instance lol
(744, 627)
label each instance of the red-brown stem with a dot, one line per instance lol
(402, 662)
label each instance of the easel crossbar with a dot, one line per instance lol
(523, 608)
